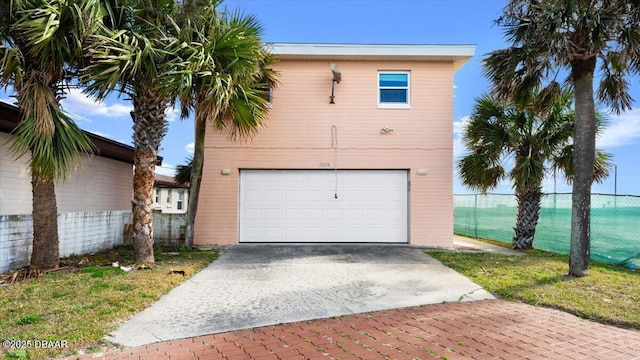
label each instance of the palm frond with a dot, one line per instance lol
(480, 173)
(547, 35)
(52, 157)
(183, 172)
(533, 136)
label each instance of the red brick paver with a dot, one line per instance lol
(489, 329)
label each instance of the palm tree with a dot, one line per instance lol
(226, 79)
(574, 36)
(135, 55)
(40, 48)
(183, 172)
(535, 140)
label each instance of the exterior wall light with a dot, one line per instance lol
(421, 172)
(337, 77)
(225, 171)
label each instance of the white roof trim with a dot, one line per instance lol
(372, 50)
(458, 54)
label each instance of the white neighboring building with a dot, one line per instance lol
(100, 182)
(169, 197)
(94, 204)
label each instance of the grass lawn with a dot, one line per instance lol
(83, 305)
(610, 294)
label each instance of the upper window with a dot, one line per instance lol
(393, 89)
(180, 199)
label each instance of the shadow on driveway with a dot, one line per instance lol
(257, 285)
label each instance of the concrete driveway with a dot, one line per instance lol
(257, 285)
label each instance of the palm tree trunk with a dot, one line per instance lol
(149, 127)
(143, 179)
(584, 135)
(196, 177)
(527, 217)
(45, 253)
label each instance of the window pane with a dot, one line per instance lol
(393, 96)
(394, 80)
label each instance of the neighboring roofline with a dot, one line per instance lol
(10, 117)
(165, 181)
(458, 54)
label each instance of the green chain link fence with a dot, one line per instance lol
(615, 223)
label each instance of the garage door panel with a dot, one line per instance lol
(295, 195)
(300, 206)
(252, 234)
(273, 195)
(294, 233)
(273, 234)
(293, 214)
(313, 234)
(273, 214)
(252, 214)
(354, 215)
(253, 195)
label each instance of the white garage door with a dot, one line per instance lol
(323, 206)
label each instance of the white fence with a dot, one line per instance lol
(80, 233)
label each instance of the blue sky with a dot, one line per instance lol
(377, 22)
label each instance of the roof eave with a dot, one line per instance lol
(10, 117)
(457, 54)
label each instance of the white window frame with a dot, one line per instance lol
(389, 105)
(180, 200)
(169, 197)
(157, 196)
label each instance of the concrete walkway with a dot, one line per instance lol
(256, 285)
(465, 243)
(489, 329)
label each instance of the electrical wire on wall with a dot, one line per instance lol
(334, 146)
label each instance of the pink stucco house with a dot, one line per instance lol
(374, 166)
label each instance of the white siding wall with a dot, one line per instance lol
(15, 180)
(94, 204)
(97, 184)
(168, 203)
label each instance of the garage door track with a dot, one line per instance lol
(256, 285)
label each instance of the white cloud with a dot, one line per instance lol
(81, 106)
(166, 169)
(190, 147)
(172, 114)
(459, 128)
(621, 130)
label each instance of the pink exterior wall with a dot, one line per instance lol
(298, 135)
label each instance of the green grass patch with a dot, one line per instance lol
(102, 271)
(30, 319)
(610, 294)
(82, 306)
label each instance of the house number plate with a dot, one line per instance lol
(324, 165)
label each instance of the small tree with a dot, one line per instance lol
(40, 49)
(135, 54)
(536, 140)
(183, 172)
(578, 36)
(226, 79)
